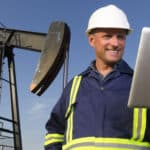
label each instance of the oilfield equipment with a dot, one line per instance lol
(54, 49)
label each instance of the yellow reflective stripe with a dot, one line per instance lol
(103, 143)
(104, 148)
(70, 126)
(73, 94)
(69, 122)
(144, 120)
(98, 148)
(53, 138)
(139, 123)
(54, 135)
(135, 123)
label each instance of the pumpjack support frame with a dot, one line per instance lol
(33, 41)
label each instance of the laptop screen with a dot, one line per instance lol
(140, 88)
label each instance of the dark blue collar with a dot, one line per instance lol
(121, 67)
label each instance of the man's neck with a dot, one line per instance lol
(103, 69)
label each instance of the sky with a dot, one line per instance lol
(36, 16)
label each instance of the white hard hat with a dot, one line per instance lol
(108, 16)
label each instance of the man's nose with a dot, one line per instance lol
(115, 41)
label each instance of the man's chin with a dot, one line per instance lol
(113, 62)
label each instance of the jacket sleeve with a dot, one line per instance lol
(55, 126)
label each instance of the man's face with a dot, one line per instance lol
(108, 44)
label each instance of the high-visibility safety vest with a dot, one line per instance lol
(101, 143)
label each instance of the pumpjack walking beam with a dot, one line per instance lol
(33, 41)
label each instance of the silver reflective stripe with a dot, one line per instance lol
(106, 145)
(139, 127)
(139, 123)
(55, 138)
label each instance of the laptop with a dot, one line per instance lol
(139, 95)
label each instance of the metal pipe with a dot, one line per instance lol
(65, 72)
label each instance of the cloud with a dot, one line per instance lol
(37, 108)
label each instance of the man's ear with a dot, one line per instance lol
(91, 40)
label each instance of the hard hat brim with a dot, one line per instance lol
(90, 31)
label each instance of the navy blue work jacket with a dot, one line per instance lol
(100, 109)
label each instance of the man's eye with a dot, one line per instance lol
(107, 36)
(122, 37)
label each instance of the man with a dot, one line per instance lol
(92, 112)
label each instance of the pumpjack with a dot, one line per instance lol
(54, 49)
